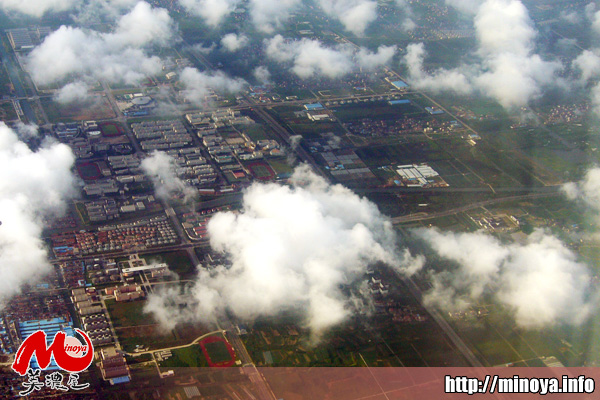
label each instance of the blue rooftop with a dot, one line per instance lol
(434, 111)
(50, 327)
(121, 379)
(400, 84)
(314, 106)
(397, 102)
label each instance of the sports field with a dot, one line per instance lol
(110, 129)
(89, 171)
(261, 171)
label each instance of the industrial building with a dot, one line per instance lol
(113, 366)
(161, 135)
(20, 39)
(51, 327)
(314, 107)
(413, 175)
(398, 102)
(399, 84)
(25, 38)
(145, 268)
(320, 115)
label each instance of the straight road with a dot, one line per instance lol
(12, 67)
(422, 216)
(199, 338)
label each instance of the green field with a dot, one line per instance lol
(94, 109)
(109, 129)
(191, 356)
(376, 156)
(218, 352)
(255, 132)
(375, 110)
(280, 166)
(7, 111)
(178, 261)
(124, 314)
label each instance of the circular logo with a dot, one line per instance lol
(74, 348)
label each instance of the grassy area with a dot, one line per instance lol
(218, 352)
(280, 166)
(191, 356)
(178, 261)
(255, 132)
(7, 111)
(126, 313)
(402, 153)
(82, 213)
(98, 108)
(313, 130)
(110, 129)
(376, 110)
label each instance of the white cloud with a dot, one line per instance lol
(513, 74)
(72, 92)
(117, 57)
(595, 17)
(198, 85)
(160, 167)
(212, 11)
(355, 15)
(440, 80)
(465, 6)
(587, 64)
(92, 11)
(27, 131)
(509, 70)
(33, 186)
(369, 60)
(234, 42)
(540, 281)
(407, 24)
(291, 249)
(312, 58)
(36, 8)
(200, 48)
(268, 15)
(262, 74)
(587, 190)
(144, 25)
(571, 17)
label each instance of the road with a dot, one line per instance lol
(110, 324)
(218, 202)
(260, 383)
(199, 338)
(482, 189)
(424, 216)
(441, 321)
(12, 67)
(282, 133)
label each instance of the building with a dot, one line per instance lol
(314, 107)
(400, 85)
(413, 175)
(398, 102)
(50, 327)
(113, 366)
(434, 110)
(145, 268)
(128, 293)
(322, 115)
(20, 39)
